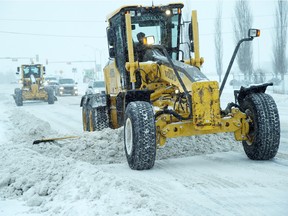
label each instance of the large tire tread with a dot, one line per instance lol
(100, 118)
(50, 93)
(18, 97)
(265, 128)
(143, 153)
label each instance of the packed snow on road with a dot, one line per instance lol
(89, 175)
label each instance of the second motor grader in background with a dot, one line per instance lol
(33, 88)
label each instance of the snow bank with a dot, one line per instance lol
(43, 174)
(106, 147)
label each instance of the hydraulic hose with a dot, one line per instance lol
(188, 96)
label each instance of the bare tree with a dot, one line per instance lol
(280, 39)
(242, 23)
(218, 40)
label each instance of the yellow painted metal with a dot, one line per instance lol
(167, 74)
(113, 112)
(192, 61)
(206, 116)
(34, 94)
(236, 123)
(162, 103)
(113, 87)
(91, 128)
(112, 78)
(196, 39)
(160, 123)
(206, 105)
(243, 133)
(160, 91)
(84, 119)
(131, 66)
(34, 89)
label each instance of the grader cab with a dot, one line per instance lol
(157, 94)
(32, 82)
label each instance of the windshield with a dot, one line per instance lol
(164, 28)
(29, 70)
(66, 81)
(148, 31)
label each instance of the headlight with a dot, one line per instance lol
(75, 87)
(149, 40)
(61, 88)
(168, 12)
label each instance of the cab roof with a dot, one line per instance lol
(137, 7)
(31, 65)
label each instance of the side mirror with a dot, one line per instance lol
(76, 83)
(110, 36)
(18, 70)
(190, 34)
(111, 52)
(253, 33)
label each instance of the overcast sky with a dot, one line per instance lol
(66, 30)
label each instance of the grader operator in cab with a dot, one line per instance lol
(164, 95)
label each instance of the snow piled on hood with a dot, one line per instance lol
(42, 174)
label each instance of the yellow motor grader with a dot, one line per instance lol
(157, 94)
(33, 88)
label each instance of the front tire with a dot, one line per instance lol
(264, 130)
(140, 135)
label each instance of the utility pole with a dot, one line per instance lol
(97, 66)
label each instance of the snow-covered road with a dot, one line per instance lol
(63, 116)
(203, 175)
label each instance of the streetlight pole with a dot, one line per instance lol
(97, 72)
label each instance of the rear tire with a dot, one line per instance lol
(85, 119)
(140, 135)
(50, 93)
(18, 97)
(100, 118)
(264, 130)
